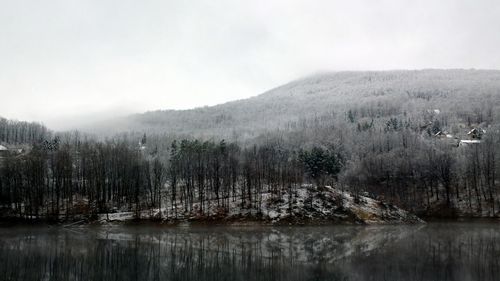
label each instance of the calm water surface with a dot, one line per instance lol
(436, 251)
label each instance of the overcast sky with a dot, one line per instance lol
(71, 59)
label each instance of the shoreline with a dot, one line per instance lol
(235, 222)
(199, 222)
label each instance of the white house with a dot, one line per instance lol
(476, 133)
(4, 151)
(468, 142)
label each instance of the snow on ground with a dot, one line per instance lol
(309, 205)
(121, 216)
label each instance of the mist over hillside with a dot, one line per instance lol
(425, 140)
(458, 94)
(219, 140)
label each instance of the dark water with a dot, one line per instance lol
(437, 251)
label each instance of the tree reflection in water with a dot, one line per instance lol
(438, 251)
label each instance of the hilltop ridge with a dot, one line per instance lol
(409, 92)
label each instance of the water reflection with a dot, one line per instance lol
(451, 251)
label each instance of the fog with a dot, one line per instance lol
(69, 62)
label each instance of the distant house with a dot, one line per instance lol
(434, 111)
(468, 142)
(440, 134)
(476, 133)
(3, 150)
(444, 134)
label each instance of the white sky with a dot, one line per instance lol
(68, 60)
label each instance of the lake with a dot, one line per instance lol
(435, 251)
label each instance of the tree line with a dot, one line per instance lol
(58, 180)
(389, 146)
(21, 132)
(393, 160)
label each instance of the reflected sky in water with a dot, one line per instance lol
(436, 251)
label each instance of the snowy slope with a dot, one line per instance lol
(311, 206)
(316, 95)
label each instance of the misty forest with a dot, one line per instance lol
(425, 141)
(318, 140)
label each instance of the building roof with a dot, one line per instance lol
(476, 130)
(470, 141)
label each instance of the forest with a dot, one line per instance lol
(60, 178)
(431, 150)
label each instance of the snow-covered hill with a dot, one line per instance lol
(330, 94)
(311, 206)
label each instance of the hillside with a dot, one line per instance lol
(426, 141)
(310, 206)
(458, 94)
